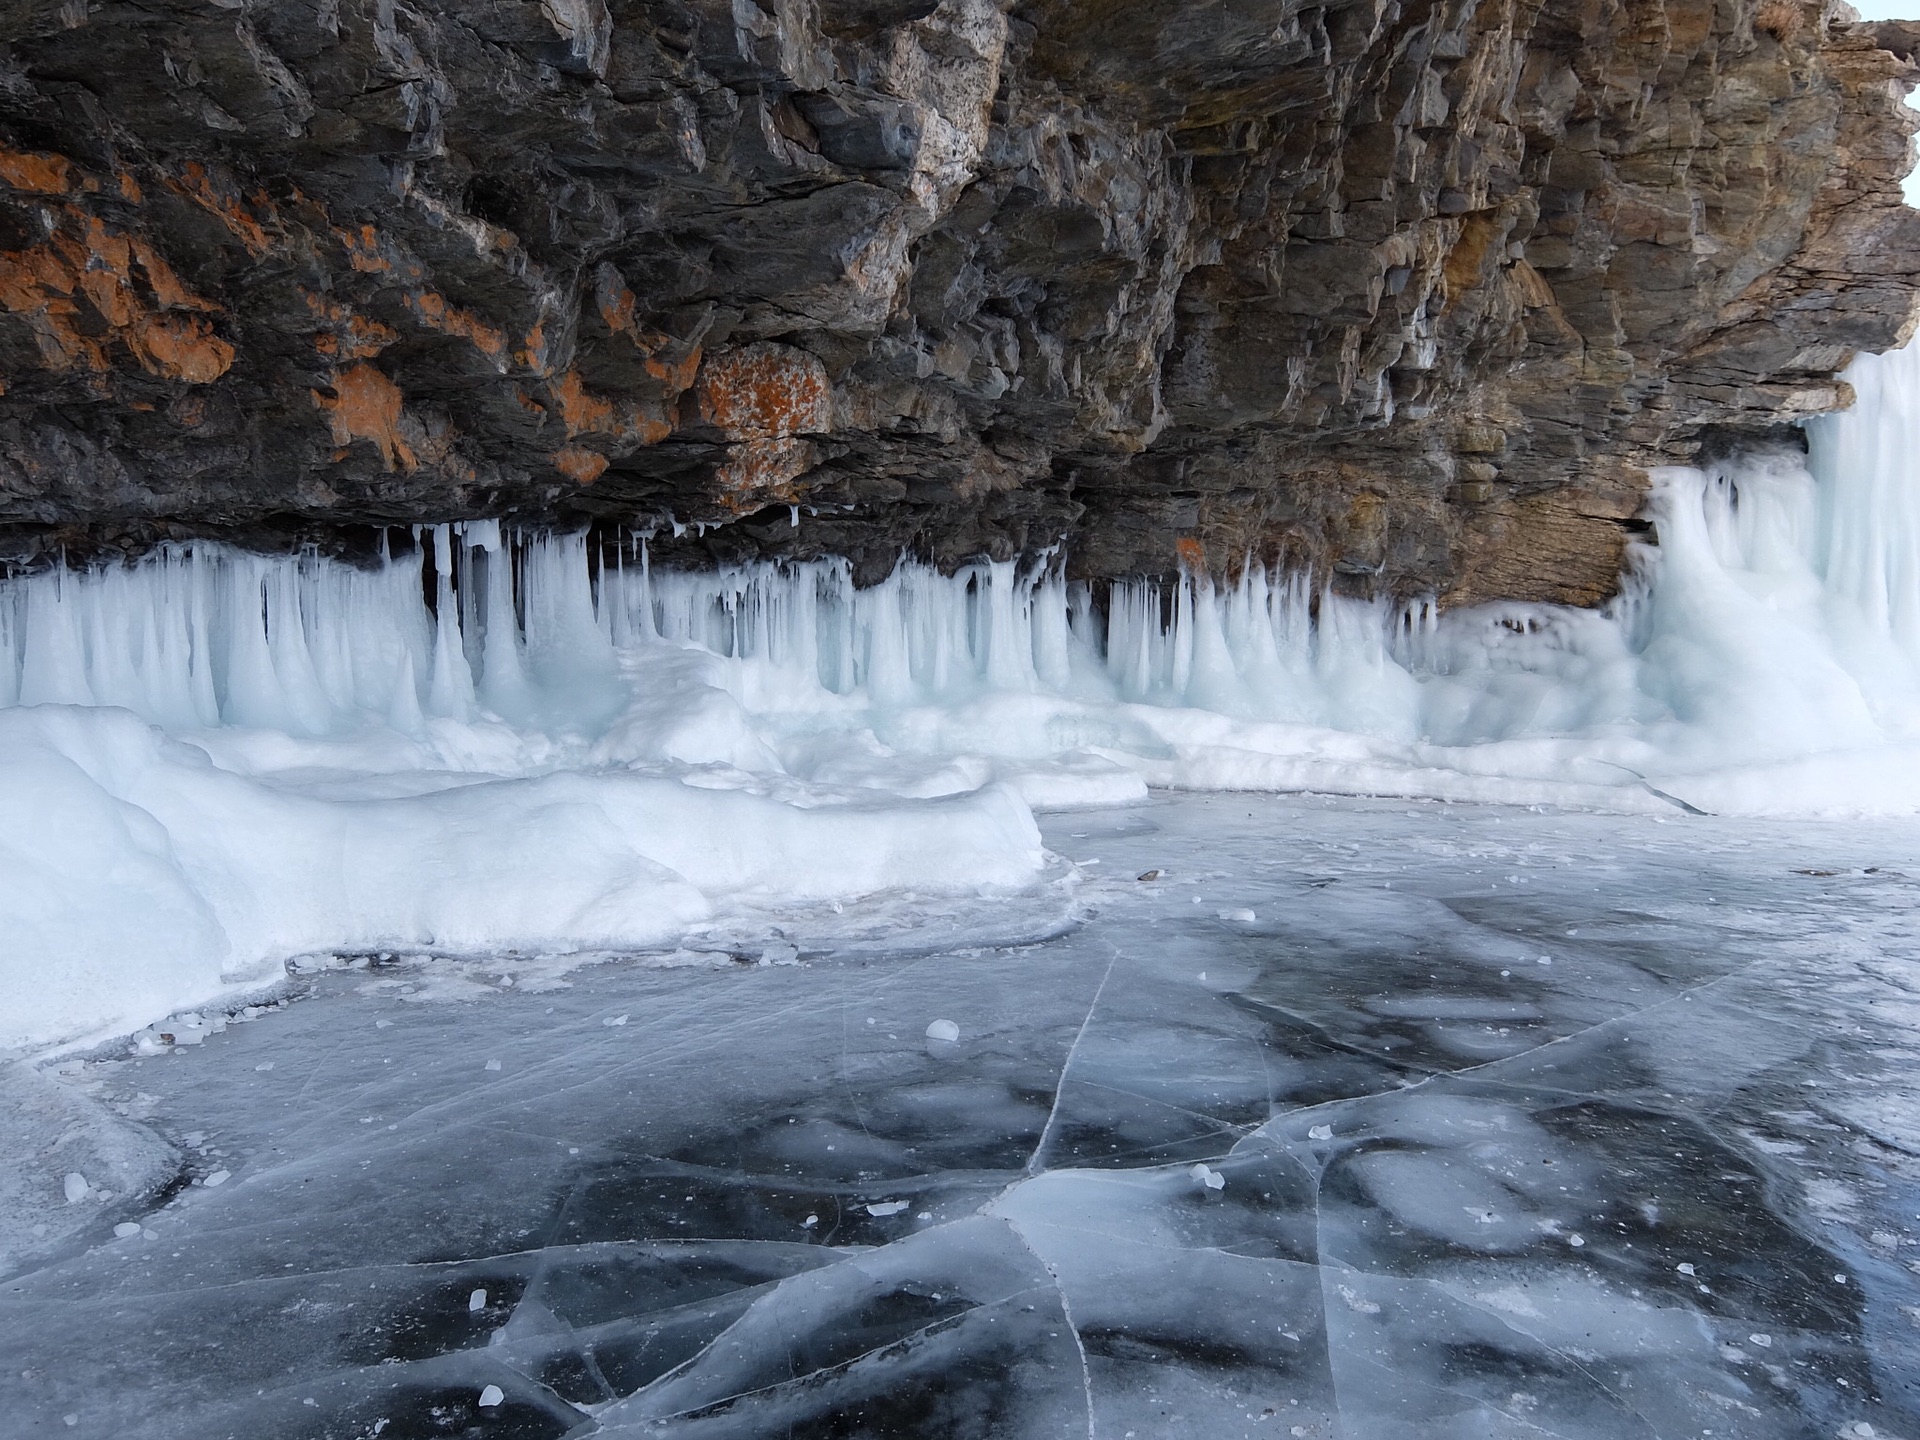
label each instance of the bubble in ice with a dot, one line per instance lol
(809, 1222)
(491, 1396)
(943, 1030)
(76, 1187)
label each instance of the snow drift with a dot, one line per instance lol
(211, 761)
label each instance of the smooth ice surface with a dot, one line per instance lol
(212, 762)
(1363, 1167)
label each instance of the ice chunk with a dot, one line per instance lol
(491, 1396)
(217, 1179)
(1244, 917)
(477, 1300)
(126, 1228)
(943, 1030)
(1207, 1176)
(887, 1207)
(493, 1064)
(76, 1187)
(614, 1020)
(1684, 1267)
(1762, 1339)
(1320, 1132)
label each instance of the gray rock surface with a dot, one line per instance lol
(1408, 292)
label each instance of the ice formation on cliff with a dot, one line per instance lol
(214, 760)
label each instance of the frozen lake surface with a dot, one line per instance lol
(1362, 1119)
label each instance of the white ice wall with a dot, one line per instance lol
(213, 760)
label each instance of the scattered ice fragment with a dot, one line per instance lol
(1356, 1304)
(924, 1215)
(1576, 1241)
(382, 1024)
(76, 1187)
(1320, 1132)
(809, 1222)
(1245, 917)
(1764, 1341)
(264, 1065)
(614, 1020)
(1861, 1429)
(477, 1300)
(886, 1207)
(780, 953)
(1209, 1177)
(1684, 1268)
(1544, 960)
(1148, 875)
(493, 1064)
(217, 1179)
(1839, 1279)
(943, 1030)
(1203, 974)
(491, 1396)
(1506, 974)
(70, 1420)
(126, 1229)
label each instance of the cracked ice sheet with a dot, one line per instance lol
(1459, 1184)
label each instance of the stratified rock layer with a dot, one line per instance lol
(1407, 292)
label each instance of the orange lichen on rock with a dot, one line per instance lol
(672, 362)
(347, 336)
(181, 347)
(135, 296)
(584, 413)
(578, 463)
(1193, 555)
(220, 197)
(37, 286)
(434, 311)
(363, 250)
(38, 172)
(765, 391)
(366, 405)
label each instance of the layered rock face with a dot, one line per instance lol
(1407, 292)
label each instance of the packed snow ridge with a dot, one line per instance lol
(211, 762)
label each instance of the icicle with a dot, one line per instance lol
(450, 692)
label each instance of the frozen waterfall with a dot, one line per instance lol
(211, 761)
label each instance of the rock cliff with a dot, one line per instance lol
(1410, 291)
